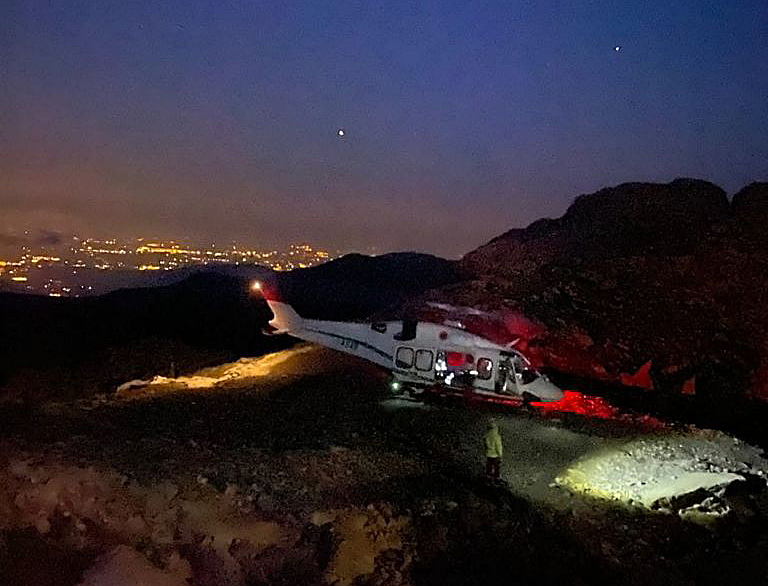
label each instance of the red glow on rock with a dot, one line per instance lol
(572, 402)
(760, 382)
(575, 402)
(269, 292)
(520, 326)
(642, 378)
(590, 406)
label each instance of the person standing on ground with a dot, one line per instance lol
(494, 450)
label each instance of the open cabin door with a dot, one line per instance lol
(505, 375)
(514, 373)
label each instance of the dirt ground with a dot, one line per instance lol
(302, 469)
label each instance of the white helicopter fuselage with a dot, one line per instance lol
(425, 355)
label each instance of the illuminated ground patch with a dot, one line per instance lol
(654, 471)
(230, 374)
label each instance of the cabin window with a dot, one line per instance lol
(423, 360)
(484, 368)
(404, 357)
(379, 327)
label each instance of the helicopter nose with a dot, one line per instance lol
(544, 390)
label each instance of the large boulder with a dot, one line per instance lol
(627, 220)
(750, 204)
(634, 218)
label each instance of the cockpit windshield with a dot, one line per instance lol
(527, 376)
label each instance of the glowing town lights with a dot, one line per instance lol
(159, 249)
(91, 254)
(255, 286)
(19, 279)
(37, 259)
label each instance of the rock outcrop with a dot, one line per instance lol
(661, 283)
(751, 203)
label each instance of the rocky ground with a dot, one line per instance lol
(298, 468)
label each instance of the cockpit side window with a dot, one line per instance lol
(524, 372)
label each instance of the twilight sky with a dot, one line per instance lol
(218, 120)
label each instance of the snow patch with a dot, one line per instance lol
(226, 374)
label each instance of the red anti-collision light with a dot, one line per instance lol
(269, 292)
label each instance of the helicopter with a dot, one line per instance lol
(423, 356)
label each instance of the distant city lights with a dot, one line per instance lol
(67, 270)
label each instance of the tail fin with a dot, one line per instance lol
(286, 319)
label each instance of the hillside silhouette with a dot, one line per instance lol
(58, 348)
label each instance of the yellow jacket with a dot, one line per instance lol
(493, 446)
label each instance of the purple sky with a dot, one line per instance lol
(217, 120)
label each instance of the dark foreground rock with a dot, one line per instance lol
(303, 471)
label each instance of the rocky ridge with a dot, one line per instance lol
(650, 285)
